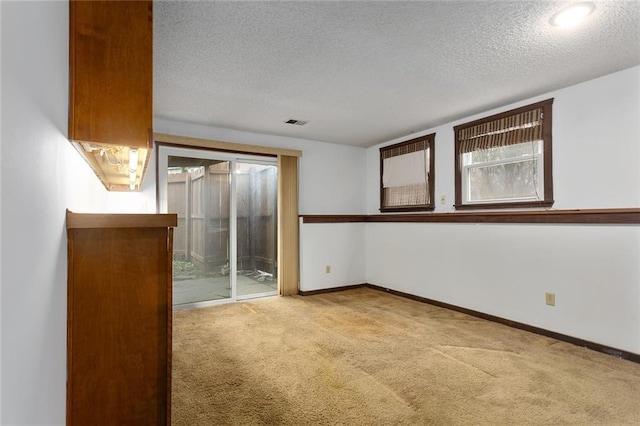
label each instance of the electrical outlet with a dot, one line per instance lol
(443, 199)
(327, 269)
(550, 299)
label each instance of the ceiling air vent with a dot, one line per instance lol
(296, 122)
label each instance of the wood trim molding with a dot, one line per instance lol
(618, 353)
(330, 290)
(185, 141)
(630, 216)
(98, 220)
(333, 218)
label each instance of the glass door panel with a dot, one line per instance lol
(257, 221)
(225, 246)
(199, 190)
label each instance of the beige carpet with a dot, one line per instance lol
(364, 357)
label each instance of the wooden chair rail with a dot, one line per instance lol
(627, 216)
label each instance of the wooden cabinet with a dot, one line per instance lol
(110, 81)
(119, 319)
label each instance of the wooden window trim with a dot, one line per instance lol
(547, 201)
(430, 206)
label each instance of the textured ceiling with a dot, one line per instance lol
(362, 73)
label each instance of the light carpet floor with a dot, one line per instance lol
(365, 357)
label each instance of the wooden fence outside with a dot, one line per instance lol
(201, 200)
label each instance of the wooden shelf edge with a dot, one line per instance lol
(100, 220)
(626, 216)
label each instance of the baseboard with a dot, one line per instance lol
(618, 353)
(331, 290)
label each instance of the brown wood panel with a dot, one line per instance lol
(111, 59)
(288, 255)
(119, 320)
(110, 86)
(334, 218)
(630, 216)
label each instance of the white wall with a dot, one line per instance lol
(505, 269)
(331, 176)
(340, 246)
(41, 176)
(596, 146)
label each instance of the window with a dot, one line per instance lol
(406, 175)
(504, 160)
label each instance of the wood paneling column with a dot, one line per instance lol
(287, 225)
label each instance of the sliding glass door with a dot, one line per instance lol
(225, 244)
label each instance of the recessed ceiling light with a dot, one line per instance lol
(571, 15)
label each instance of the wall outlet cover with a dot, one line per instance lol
(550, 299)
